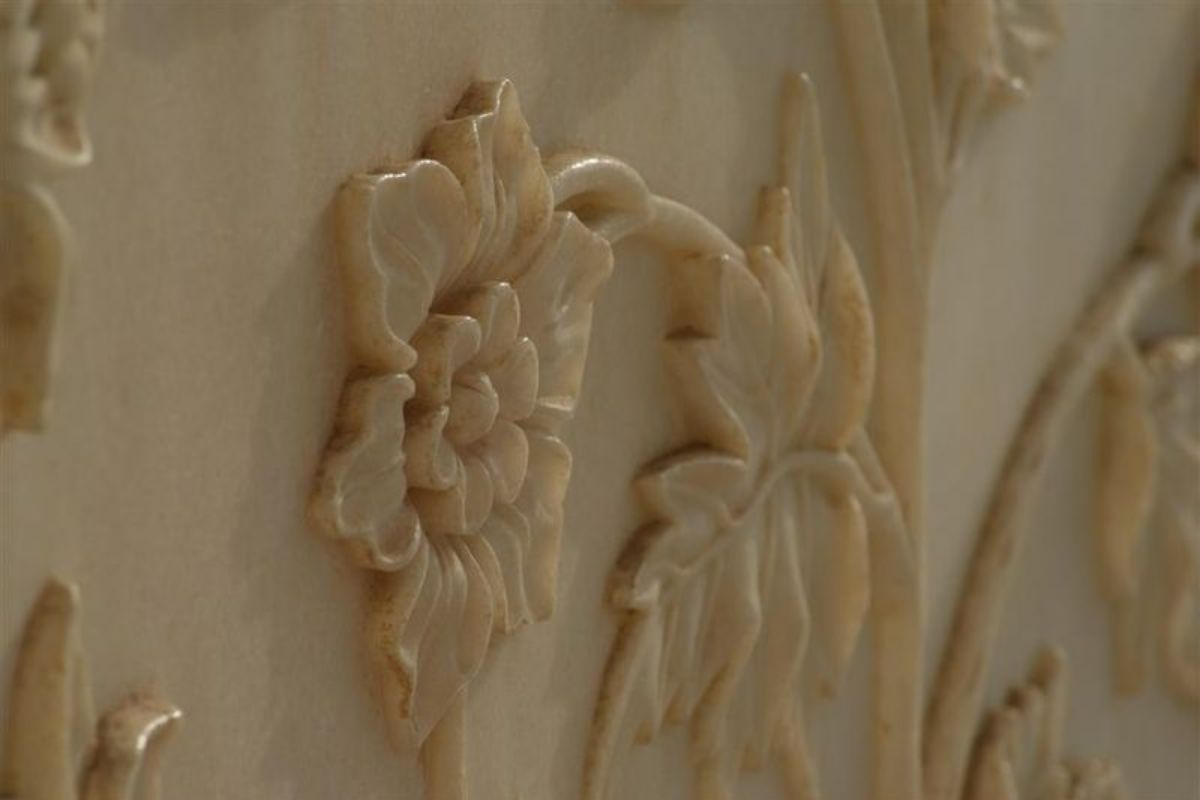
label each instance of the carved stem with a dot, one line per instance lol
(683, 232)
(615, 690)
(896, 667)
(899, 277)
(958, 692)
(443, 755)
(900, 250)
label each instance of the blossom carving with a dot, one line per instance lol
(470, 303)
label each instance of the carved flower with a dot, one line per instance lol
(470, 304)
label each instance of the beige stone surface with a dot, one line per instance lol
(202, 355)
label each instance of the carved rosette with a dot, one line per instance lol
(470, 303)
(47, 52)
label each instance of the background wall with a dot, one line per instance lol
(202, 357)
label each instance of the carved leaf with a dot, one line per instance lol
(31, 267)
(1018, 751)
(984, 50)
(773, 356)
(1146, 503)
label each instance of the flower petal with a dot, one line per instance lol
(556, 295)
(480, 494)
(432, 462)
(360, 497)
(489, 148)
(505, 453)
(401, 236)
(506, 535)
(461, 508)
(428, 629)
(541, 502)
(444, 343)
(515, 377)
(496, 308)
(473, 407)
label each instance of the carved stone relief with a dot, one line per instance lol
(47, 51)
(1167, 255)
(766, 527)
(1147, 517)
(470, 282)
(54, 750)
(789, 525)
(1018, 752)
(777, 525)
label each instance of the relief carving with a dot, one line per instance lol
(773, 356)
(54, 750)
(1018, 748)
(1166, 256)
(470, 291)
(1147, 516)
(47, 52)
(471, 275)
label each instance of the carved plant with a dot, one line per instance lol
(47, 49)
(1018, 748)
(1148, 508)
(760, 533)
(985, 51)
(1167, 254)
(53, 748)
(470, 303)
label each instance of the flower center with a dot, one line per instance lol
(476, 381)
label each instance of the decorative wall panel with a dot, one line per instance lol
(732, 415)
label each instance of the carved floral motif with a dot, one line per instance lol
(47, 52)
(53, 748)
(470, 303)
(761, 524)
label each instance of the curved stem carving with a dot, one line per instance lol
(958, 691)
